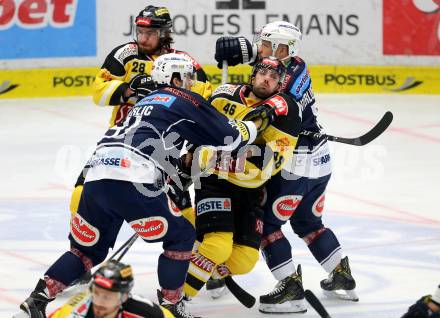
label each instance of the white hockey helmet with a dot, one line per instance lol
(168, 64)
(281, 32)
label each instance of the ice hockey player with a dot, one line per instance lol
(109, 297)
(124, 182)
(125, 77)
(426, 307)
(228, 216)
(298, 194)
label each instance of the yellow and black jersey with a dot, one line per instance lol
(120, 66)
(80, 305)
(253, 166)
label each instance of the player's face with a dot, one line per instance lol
(187, 82)
(265, 83)
(265, 50)
(148, 39)
(106, 303)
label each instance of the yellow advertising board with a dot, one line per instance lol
(355, 79)
(57, 82)
(325, 79)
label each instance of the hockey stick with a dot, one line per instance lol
(316, 304)
(124, 248)
(224, 72)
(85, 279)
(242, 296)
(372, 134)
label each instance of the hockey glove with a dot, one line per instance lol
(182, 175)
(179, 183)
(421, 310)
(180, 198)
(142, 85)
(234, 50)
(265, 113)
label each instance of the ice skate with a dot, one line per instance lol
(340, 284)
(35, 305)
(287, 297)
(178, 309)
(216, 287)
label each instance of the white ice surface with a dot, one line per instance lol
(381, 203)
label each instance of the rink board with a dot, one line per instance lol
(59, 82)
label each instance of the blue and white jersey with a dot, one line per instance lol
(312, 157)
(151, 137)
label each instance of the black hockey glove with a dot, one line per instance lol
(180, 198)
(142, 85)
(234, 50)
(264, 112)
(421, 310)
(178, 193)
(182, 176)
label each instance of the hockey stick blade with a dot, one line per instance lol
(368, 137)
(242, 296)
(316, 304)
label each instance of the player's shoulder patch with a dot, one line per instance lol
(226, 89)
(76, 299)
(300, 80)
(125, 51)
(196, 64)
(299, 60)
(159, 98)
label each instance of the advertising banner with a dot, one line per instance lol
(47, 82)
(338, 32)
(60, 82)
(411, 27)
(47, 28)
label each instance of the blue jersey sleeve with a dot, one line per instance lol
(201, 124)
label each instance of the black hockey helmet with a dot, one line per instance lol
(154, 17)
(270, 64)
(114, 276)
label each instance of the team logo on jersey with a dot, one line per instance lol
(214, 205)
(284, 207)
(127, 50)
(109, 161)
(158, 99)
(82, 308)
(226, 89)
(318, 206)
(83, 232)
(304, 80)
(321, 160)
(173, 208)
(241, 127)
(152, 228)
(279, 103)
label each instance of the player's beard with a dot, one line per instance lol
(147, 50)
(262, 91)
(103, 312)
